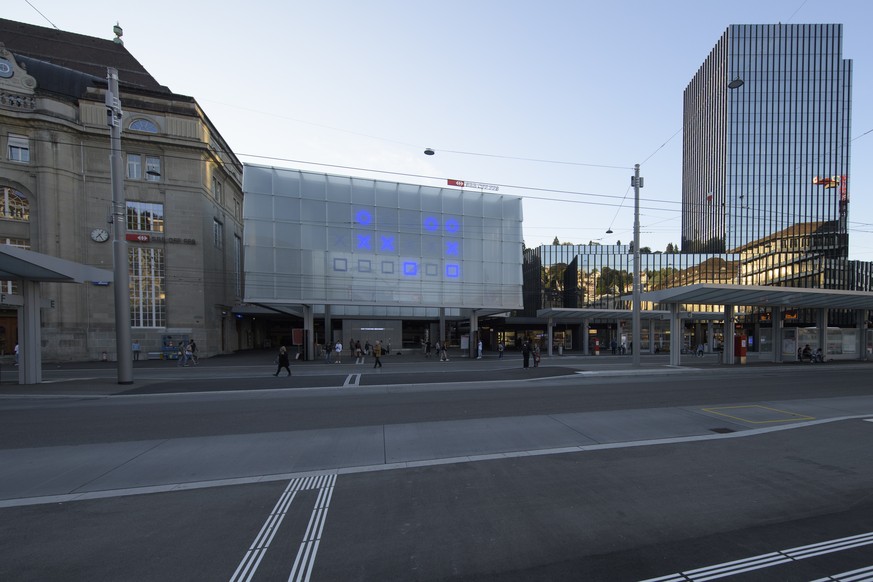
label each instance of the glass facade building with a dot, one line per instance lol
(770, 156)
(320, 239)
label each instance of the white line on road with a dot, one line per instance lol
(767, 560)
(252, 559)
(861, 575)
(352, 380)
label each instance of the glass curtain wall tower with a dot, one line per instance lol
(766, 163)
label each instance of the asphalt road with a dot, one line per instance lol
(668, 472)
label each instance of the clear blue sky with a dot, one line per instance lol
(490, 85)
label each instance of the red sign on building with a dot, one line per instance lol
(143, 238)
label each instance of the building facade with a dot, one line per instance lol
(182, 190)
(766, 140)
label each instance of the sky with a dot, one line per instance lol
(553, 100)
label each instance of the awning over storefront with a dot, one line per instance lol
(760, 296)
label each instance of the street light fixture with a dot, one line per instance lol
(736, 83)
(429, 152)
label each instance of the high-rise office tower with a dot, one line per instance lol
(766, 147)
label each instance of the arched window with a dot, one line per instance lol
(13, 205)
(143, 125)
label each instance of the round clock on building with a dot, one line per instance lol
(99, 235)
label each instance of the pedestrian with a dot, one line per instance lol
(427, 346)
(327, 349)
(444, 353)
(16, 354)
(182, 351)
(479, 350)
(377, 353)
(136, 349)
(614, 345)
(536, 355)
(500, 348)
(338, 350)
(525, 354)
(192, 348)
(282, 361)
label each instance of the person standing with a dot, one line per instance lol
(136, 349)
(500, 348)
(338, 351)
(283, 361)
(479, 350)
(525, 354)
(16, 353)
(377, 353)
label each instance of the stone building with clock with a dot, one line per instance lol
(182, 189)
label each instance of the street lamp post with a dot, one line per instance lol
(119, 223)
(637, 183)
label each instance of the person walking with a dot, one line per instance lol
(192, 350)
(377, 354)
(479, 350)
(136, 349)
(283, 361)
(500, 348)
(183, 355)
(338, 351)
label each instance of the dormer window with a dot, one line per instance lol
(143, 125)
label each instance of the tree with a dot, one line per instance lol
(556, 242)
(670, 248)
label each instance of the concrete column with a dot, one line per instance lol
(328, 334)
(442, 325)
(30, 357)
(474, 333)
(710, 335)
(729, 333)
(776, 316)
(822, 324)
(308, 333)
(861, 326)
(584, 329)
(550, 326)
(675, 335)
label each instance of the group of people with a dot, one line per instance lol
(806, 354)
(530, 351)
(187, 353)
(358, 351)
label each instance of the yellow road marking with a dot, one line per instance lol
(791, 416)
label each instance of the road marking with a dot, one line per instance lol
(352, 380)
(753, 408)
(252, 559)
(768, 560)
(305, 559)
(860, 575)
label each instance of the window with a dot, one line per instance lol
(143, 125)
(237, 209)
(216, 190)
(153, 169)
(134, 166)
(145, 216)
(12, 287)
(148, 296)
(18, 148)
(217, 234)
(13, 205)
